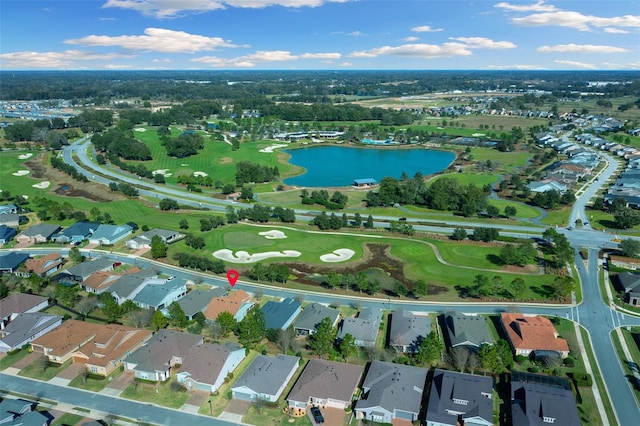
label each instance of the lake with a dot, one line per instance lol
(340, 166)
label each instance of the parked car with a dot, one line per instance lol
(317, 415)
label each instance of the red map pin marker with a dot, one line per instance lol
(232, 276)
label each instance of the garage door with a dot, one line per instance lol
(242, 396)
(404, 415)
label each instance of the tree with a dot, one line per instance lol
(493, 211)
(252, 329)
(562, 287)
(510, 211)
(158, 247)
(333, 279)
(459, 234)
(75, 256)
(168, 204)
(86, 305)
(177, 318)
(140, 318)
(419, 288)
(285, 339)
(369, 223)
(459, 356)
(227, 322)
(347, 346)
(184, 224)
(518, 287)
(321, 342)
(630, 247)
(430, 349)
(159, 321)
(43, 363)
(488, 357)
(214, 329)
(473, 362)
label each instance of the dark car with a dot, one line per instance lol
(317, 415)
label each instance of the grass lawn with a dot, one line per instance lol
(94, 383)
(523, 211)
(12, 358)
(156, 393)
(34, 371)
(67, 419)
(273, 415)
(558, 217)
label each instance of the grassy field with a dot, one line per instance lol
(156, 393)
(12, 358)
(34, 371)
(217, 159)
(67, 419)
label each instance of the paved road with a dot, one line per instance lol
(143, 412)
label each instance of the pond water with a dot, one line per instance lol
(340, 166)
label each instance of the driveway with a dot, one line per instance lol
(72, 371)
(332, 416)
(27, 360)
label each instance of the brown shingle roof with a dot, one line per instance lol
(533, 332)
(231, 303)
(100, 280)
(19, 302)
(326, 379)
(99, 343)
(43, 264)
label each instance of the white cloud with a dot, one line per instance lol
(355, 34)
(411, 39)
(629, 66)
(516, 67)
(107, 18)
(178, 8)
(580, 48)
(418, 50)
(156, 40)
(484, 43)
(117, 66)
(51, 60)
(611, 30)
(426, 29)
(346, 64)
(539, 6)
(576, 20)
(250, 61)
(575, 64)
(164, 60)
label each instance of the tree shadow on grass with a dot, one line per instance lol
(495, 259)
(545, 291)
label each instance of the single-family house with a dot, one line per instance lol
(38, 234)
(99, 282)
(162, 352)
(324, 384)
(391, 391)
(102, 348)
(459, 398)
(76, 233)
(280, 315)
(538, 400)
(143, 241)
(630, 284)
(206, 365)
(45, 265)
(10, 219)
(469, 331)
(363, 328)
(8, 209)
(364, 183)
(25, 328)
(265, 378)
(10, 262)
(80, 272)
(197, 300)
(312, 315)
(407, 330)
(529, 334)
(158, 294)
(7, 233)
(108, 235)
(18, 412)
(18, 303)
(237, 303)
(547, 185)
(128, 286)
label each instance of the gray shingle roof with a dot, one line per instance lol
(326, 379)
(363, 328)
(44, 229)
(265, 375)
(276, 314)
(532, 402)
(313, 314)
(407, 329)
(204, 362)
(466, 329)
(27, 325)
(460, 393)
(163, 346)
(155, 294)
(87, 268)
(393, 386)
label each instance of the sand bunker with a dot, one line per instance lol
(200, 174)
(270, 149)
(21, 173)
(42, 185)
(273, 234)
(475, 135)
(24, 156)
(245, 257)
(160, 172)
(139, 129)
(339, 255)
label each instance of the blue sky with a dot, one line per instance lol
(320, 34)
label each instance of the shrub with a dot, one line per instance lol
(533, 369)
